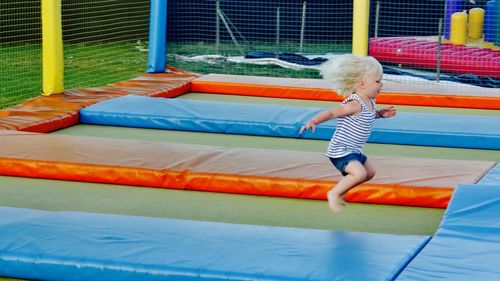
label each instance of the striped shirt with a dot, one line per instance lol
(352, 131)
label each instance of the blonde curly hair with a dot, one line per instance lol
(346, 71)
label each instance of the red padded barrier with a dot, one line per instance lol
(424, 53)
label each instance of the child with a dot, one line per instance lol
(360, 80)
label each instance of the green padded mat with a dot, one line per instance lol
(208, 206)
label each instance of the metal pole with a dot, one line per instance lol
(377, 14)
(217, 27)
(235, 41)
(303, 26)
(440, 39)
(277, 30)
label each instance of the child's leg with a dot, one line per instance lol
(356, 174)
(370, 170)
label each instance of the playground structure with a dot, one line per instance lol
(215, 251)
(303, 28)
(469, 45)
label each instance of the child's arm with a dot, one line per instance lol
(349, 108)
(385, 112)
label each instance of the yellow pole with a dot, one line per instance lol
(360, 19)
(52, 46)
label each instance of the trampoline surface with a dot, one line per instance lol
(300, 213)
(246, 209)
(239, 208)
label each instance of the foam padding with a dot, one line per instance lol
(463, 131)
(492, 177)
(49, 113)
(467, 244)
(399, 180)
(46, 245)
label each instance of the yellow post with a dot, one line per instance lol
(476, 23)
(52, 46)
(458, 30)
(360, 20)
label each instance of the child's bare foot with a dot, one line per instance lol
(335, 202)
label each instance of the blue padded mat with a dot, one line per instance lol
(467, 244)
(285, 121)
(85, 246)
(492, 177)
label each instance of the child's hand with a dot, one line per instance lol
(310, 125)
(387, 112)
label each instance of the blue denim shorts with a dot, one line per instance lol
(341, 162)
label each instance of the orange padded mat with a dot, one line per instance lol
(439, 95)
(46, 114)
(401, 181)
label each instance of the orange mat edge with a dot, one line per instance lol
(400, 98)
(252, 185)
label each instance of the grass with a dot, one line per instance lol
(85, 66)
(20, 73)
(103, 64)
(100, 64)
